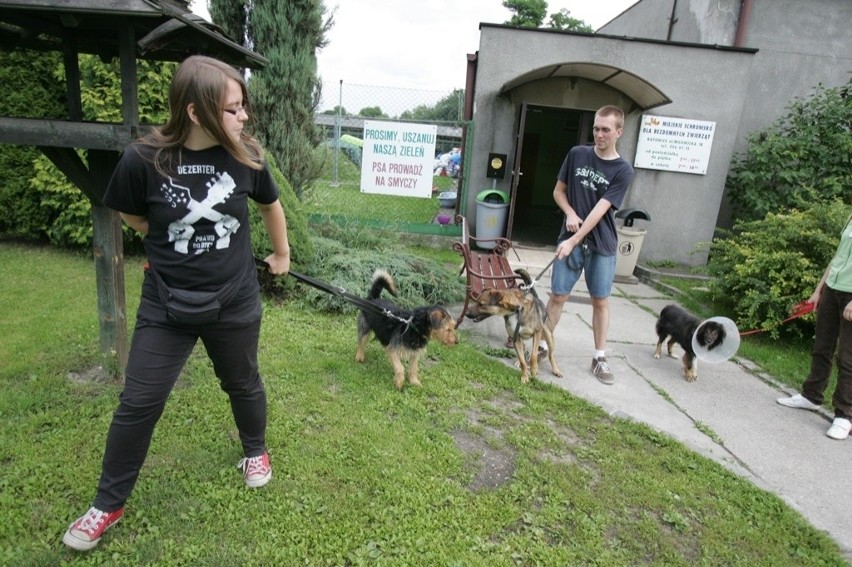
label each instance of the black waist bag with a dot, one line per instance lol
(190, 307)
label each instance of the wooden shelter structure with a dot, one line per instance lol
(156, 30)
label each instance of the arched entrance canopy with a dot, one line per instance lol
(640, 91)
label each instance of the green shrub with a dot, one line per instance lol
(23, 217)
(64, 212)
(764, 267)
(47, 205)
(347, 256)
(301, 246)
(68, 210)
(802, 159)
(43, 97)
(101, 93)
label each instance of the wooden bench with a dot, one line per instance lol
(485, 269)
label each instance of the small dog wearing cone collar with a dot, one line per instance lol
(679, 326)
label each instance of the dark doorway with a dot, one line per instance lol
(548, 134)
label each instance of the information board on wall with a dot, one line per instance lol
(674, 144)
(397, 158)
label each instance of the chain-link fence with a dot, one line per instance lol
(395, 157)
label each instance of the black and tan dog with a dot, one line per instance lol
(680, 325)
(523, 316)
(404, 333)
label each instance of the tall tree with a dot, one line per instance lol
(562, 20)
(528, 13)
(447, 109)
(285, 94)
(372, 112)
(531, 13)
(337, 108)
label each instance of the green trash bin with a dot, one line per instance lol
(492, 210)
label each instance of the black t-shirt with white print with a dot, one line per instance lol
(590, 179)
(198, 218)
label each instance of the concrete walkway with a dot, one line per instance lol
(781, 450)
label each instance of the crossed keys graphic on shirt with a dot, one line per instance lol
(181, 231)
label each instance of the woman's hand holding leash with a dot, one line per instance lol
(279, 265)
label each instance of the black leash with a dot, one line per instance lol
(359, 302)
(339, 292)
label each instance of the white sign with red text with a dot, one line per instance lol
(397, 158)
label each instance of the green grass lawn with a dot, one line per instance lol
(473, 468)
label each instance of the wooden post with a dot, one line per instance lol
(109, 275)
(108, 248)
(108, 240)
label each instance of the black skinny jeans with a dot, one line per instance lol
(833, 332)
(158, 352)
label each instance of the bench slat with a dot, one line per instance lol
(484, 270)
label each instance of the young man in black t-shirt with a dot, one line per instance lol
(589, 189)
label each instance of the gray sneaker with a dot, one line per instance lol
(602, 371)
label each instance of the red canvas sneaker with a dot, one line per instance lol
(256, 470)
(86, 531)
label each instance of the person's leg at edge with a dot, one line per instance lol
(828, 318)
(842, 399)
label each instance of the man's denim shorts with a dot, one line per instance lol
(599, 270)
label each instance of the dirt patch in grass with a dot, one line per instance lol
(494, 459)
(484, 446)
(494, 465)
(89, 375)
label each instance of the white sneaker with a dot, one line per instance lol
(799, 402)
(839, 428)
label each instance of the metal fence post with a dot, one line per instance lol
(337, 123)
